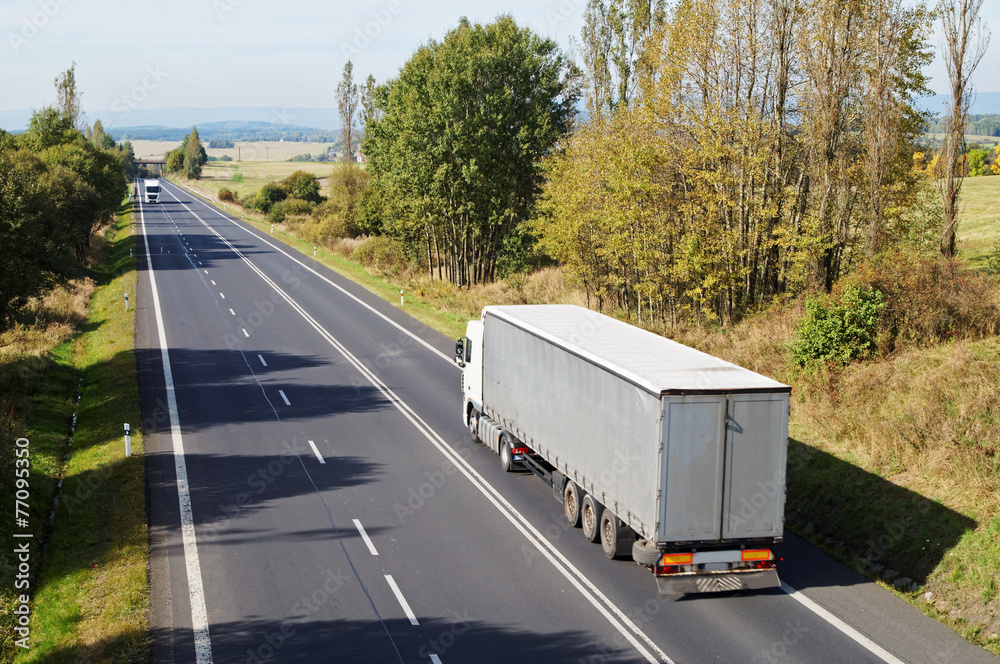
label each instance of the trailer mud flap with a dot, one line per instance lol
(675, 584)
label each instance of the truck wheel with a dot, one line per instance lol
(614, 535)
(590, 516)
(506, 457)
(645, 553)
(571, 504)
(474, 424)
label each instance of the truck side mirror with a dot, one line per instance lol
(460, 352)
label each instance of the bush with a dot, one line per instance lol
(288, 208)
(838, 329)
(929, 299)
(237, 177)
(267, 196)
(381, 254)
(302, 185)
(227, 196)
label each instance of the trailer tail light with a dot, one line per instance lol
(756, 554)
(521, 450)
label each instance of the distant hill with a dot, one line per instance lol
(188, 116)
(983, 103)
(230, 131)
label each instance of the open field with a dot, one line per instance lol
(219, 174)
(979, 220)
(934, 140)
(262, 151)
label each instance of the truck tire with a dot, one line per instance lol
(645, 553)
(616, 537)
(506, 456)
(571, 504)
(590, 518)
(474, 424)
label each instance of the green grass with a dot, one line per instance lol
(979, 220)
(91, 598)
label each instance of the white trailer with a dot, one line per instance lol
(656, 449)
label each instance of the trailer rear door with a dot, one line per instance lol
(724, 474)
(694, 436)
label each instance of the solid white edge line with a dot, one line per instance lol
(402, 600)
(364, 535)
(846, 629)
(316, 451)
(284, 398)
(196, 589)
(585, 586)
(261, 358)
(330, 282)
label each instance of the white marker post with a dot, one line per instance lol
(126, 309)
(400, 297)
(128, 442)
(315, 249)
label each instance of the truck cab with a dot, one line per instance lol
(152, 191)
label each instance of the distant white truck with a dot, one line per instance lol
(152, 191)
(658, 450)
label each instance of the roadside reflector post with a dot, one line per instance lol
(315, 249)
(400, 297)
(128, 441)
(126, 294)
(272, 229)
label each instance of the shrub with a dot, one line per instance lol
(838, 329)
(302, 185)
(381, 254)
(288, 208)
(267, 196)
(237, 177)
(227, 196)
(929, 299)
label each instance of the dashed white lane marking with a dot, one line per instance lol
(222, 295)
(364, 535)
(213, 282)
(245, 333)
(232, 312)
(284, 398)
(402, 600)
(435, 659)
(312, 445)
(205, 271)
(261, 358)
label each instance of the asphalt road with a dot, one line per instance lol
(314, 497)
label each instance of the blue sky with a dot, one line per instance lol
(257, 52)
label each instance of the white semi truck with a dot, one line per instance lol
(657, 450)
(152, 191)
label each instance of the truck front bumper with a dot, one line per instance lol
(714, 582)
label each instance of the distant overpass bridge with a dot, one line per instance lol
(151, 164)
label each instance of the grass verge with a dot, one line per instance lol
(90, 594)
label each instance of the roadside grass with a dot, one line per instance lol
(90, 596)
(894, 465)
